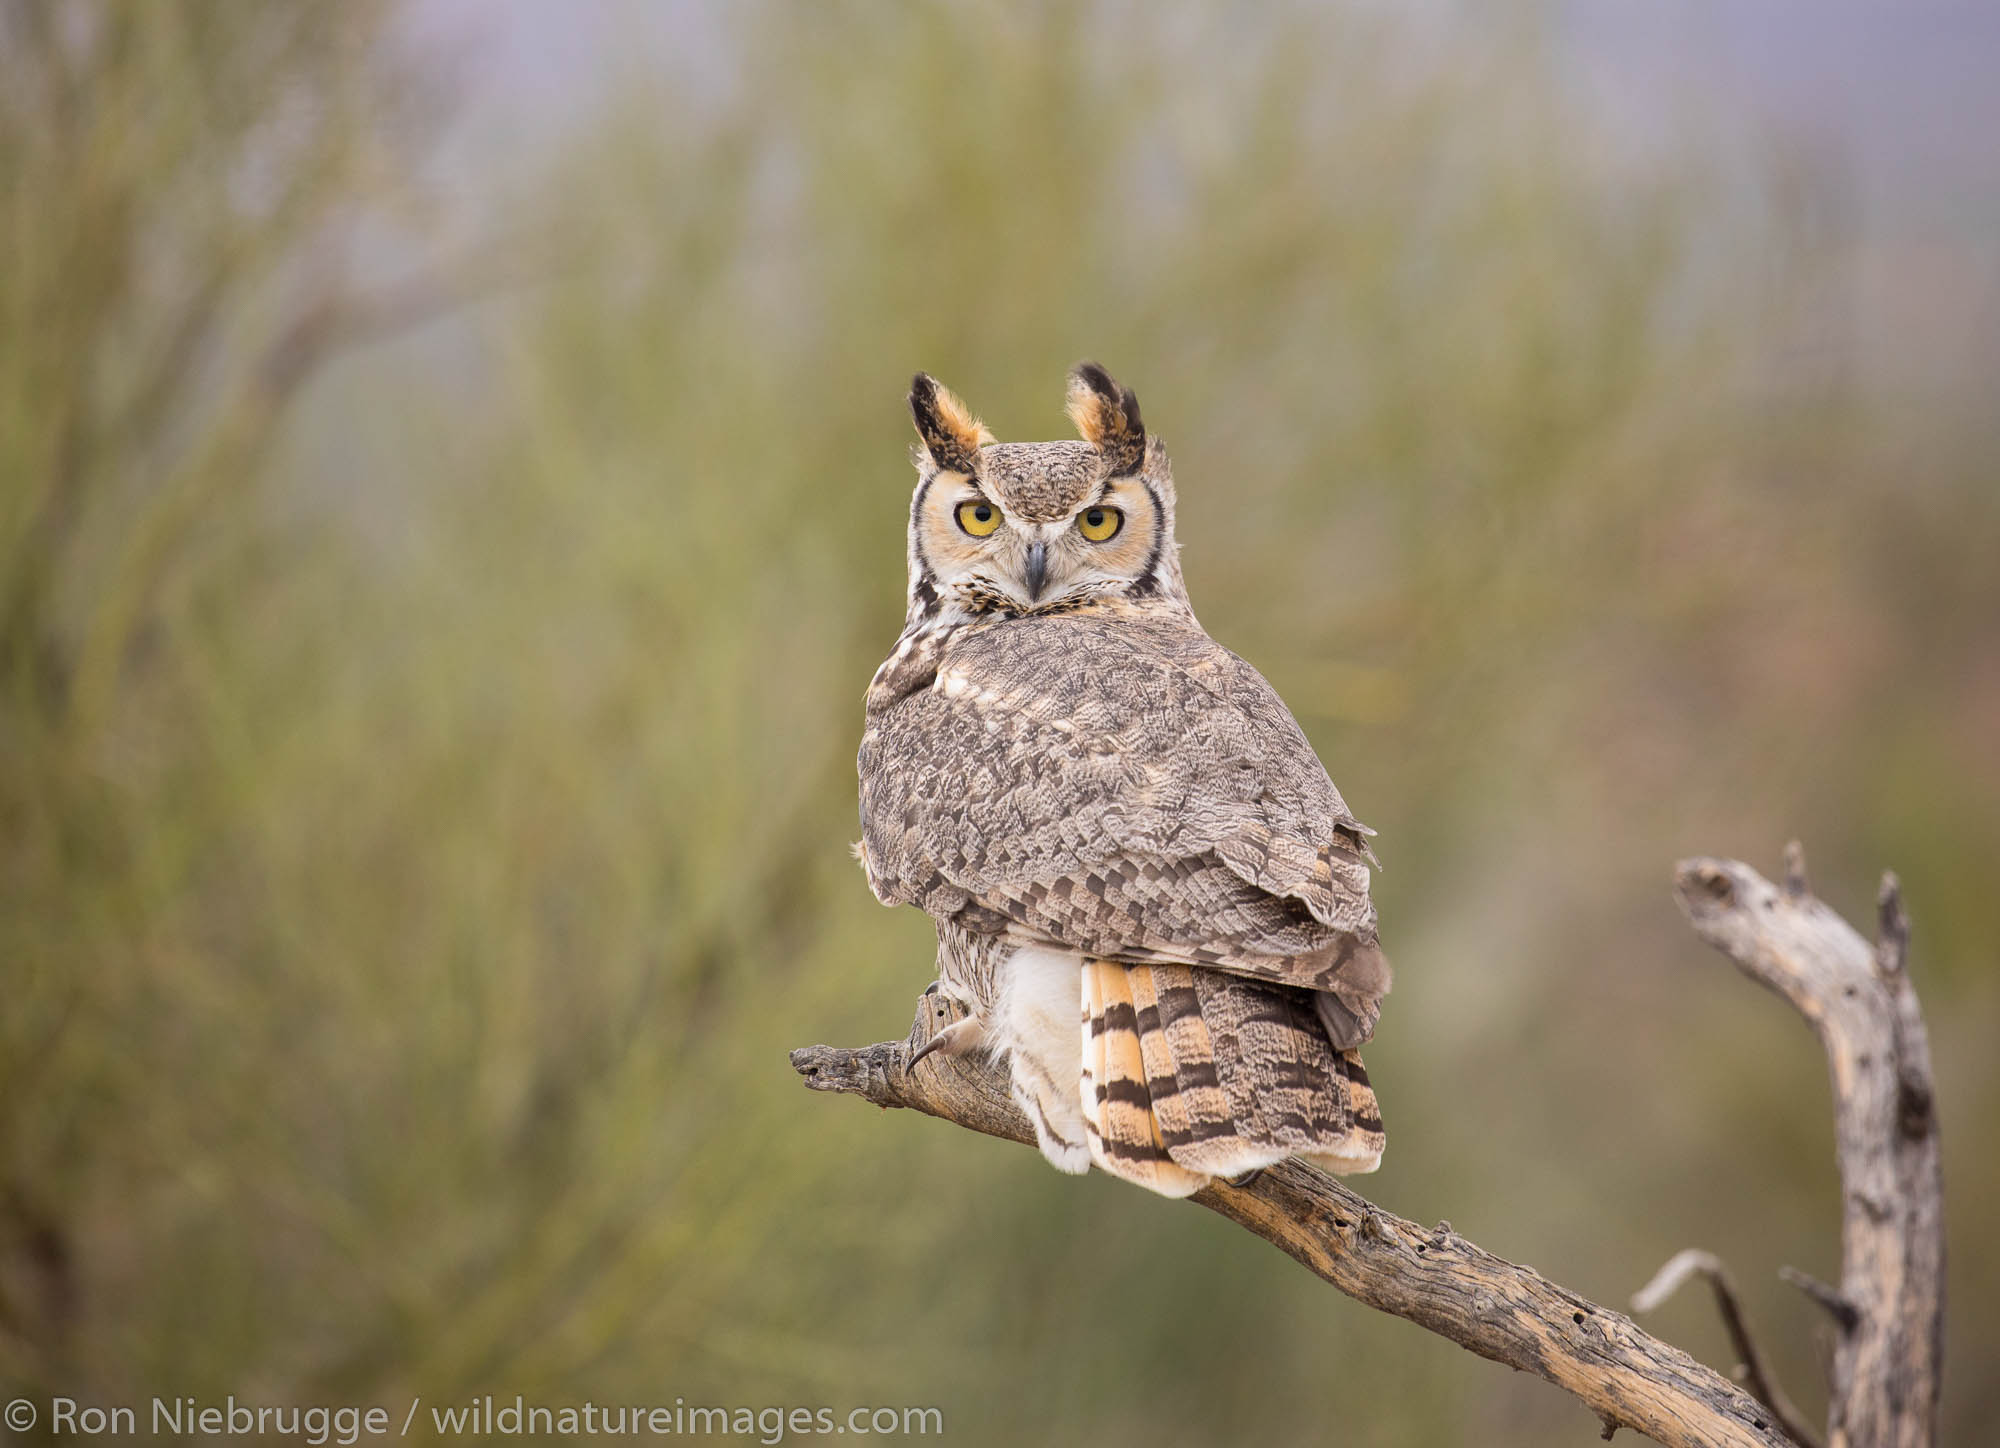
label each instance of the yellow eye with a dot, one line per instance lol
(1099, 525)
(978, 517)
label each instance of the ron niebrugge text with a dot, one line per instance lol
(482, 1417)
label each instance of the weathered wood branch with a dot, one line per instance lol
(1755, 1374)
(1431, 1276)
(1889, 1307)
(1889, 1302)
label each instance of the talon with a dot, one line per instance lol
(954, 1040)
(1246, 1178)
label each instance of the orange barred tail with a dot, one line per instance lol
(1120, 1123)
(1191, 1074)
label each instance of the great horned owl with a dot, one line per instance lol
(1149, 896)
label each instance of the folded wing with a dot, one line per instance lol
(1127, 788)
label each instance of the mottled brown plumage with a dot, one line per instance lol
(1148, 892)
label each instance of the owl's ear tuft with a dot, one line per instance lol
(1108, 417)
(951, 434)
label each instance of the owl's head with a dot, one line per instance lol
(1032, 527)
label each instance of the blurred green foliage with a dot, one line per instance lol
(427, 710)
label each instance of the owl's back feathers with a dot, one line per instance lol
(1120, 784)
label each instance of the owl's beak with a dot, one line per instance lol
(1038, 570)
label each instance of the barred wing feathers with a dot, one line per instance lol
(1122, 785)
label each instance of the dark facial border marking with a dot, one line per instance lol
(1148, 582)
(924, 591)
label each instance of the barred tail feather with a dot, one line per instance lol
(1209, 1139)
(1189, 1074)
(1123, 1132)
(1362, 1150)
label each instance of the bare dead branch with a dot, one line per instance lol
(1888, 1308)
(1825, 1294)
(1858, 999)
(1797, 884)
(1756, 1375)
(1430, 1276)
(1892, 929)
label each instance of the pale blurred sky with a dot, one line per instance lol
(1907, 91)
(1900, 101)
(1911, 91)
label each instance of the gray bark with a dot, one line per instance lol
(1889, 1307)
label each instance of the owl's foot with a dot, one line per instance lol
(952, 1033)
